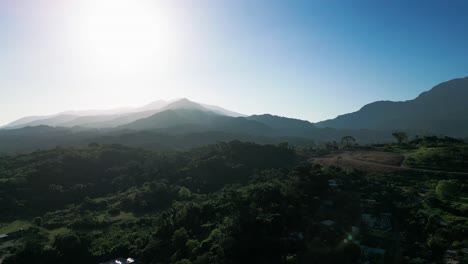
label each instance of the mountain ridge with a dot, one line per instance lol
(442, 109)
(109, 118)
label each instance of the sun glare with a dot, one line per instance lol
(116, 36)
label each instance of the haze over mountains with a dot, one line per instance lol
(113, 117)
(182, 124)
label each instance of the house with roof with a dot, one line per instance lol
(327, 222)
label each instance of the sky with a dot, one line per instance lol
(311, 59)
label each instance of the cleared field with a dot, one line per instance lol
(370, 161)
(373, 161)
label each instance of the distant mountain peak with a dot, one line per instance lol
(115, 117)
(158, 104)
(185, 103)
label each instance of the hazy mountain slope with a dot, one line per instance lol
(289, 127)
(97, 112)
(95, 116)
(90, 121)
(184, 120)
(443, 109)
(176, 129)
(24, 120)
(52, 121)
(152, 106)
(114, 117)
(286, 126)
(222, 111)
(184, 103)
(90, 118)
(132, 117)
(29, 139)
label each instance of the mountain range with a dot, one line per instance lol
(441, 110)
(183, 123)
(113, 117)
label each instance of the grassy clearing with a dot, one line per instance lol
(436, 158)
(14, 226)
(59, 231)
(124, 216)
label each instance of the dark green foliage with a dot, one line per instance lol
(347, 140)
(447, 189)
(400, 136)
(438, 153)
(37, 221)
(225, 203)
(193, 212)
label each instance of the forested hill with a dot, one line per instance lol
(443, 109)
(225, 203)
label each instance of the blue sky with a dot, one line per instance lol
(305, 59)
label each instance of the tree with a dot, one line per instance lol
(400, 136)
(180, 237)
(37, 221)
(446, 189)
(459, 152)
(331, 145)
(346, 140)
(69, 245)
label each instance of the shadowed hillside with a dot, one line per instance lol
(442, 110)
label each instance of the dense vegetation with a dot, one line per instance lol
(224, 203)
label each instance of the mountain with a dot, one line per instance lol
(52, 121)
(30, 139)
(223, 111)
(286, 126)
(114, 117)
(24, 120)
(188, 117)
(183, 123)
(132, 117)
(441, 110)
(185, 103)
(152, 106)
(91, 118)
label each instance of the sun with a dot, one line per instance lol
(123, 36)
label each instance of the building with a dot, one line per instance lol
(381, 222)
(120, 261)
(372, 250)
(328, 222)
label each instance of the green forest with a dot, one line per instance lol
(230, 202)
